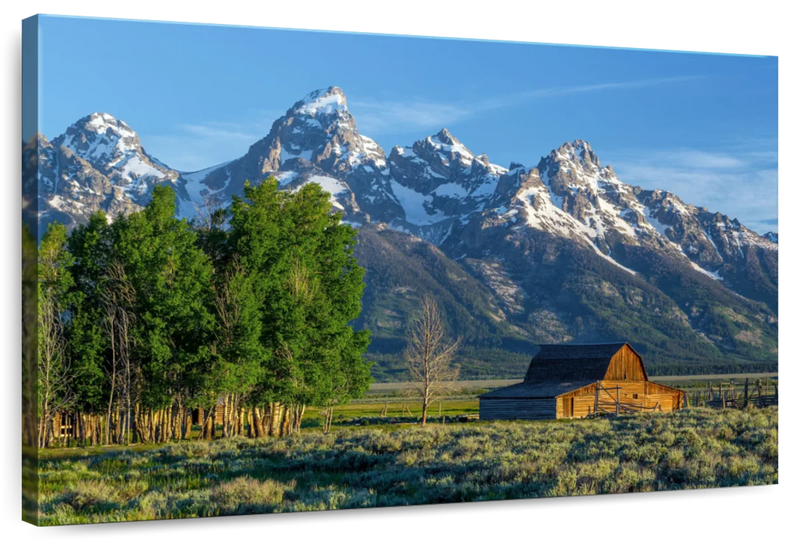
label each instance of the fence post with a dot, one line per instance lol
(596, 395)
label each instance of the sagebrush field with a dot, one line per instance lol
(352, 468)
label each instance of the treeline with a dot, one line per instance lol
(475, 364)
(710, 368)
(148, 321)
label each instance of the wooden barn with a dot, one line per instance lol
(579, 380)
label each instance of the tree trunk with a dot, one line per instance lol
(212, 423)
(263, 422)
(170, 420)
(276, 410)
(258, 428)
(225, 405)
(116, 426)
(284, 428)
(178, 419)
(159, 424)
(149, 426)
(161, 432)
(187, 422)
(301, 410)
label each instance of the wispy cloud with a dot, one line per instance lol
(378, 116)
(706, 160)
(620, 85)
(218, 131)
(739, 181)
(193, 146)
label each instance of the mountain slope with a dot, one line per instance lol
(563, 251)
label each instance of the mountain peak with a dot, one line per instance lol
(445, 143)
(579, 151)
(446, 137)
(101, 139)
(322, 102)
(101, 123)
(581, 144)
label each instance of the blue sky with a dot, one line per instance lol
(701, 125)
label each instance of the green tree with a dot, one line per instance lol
(90, 246)
(172, 325)
(309, 286)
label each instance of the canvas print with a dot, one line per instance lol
(274, 270)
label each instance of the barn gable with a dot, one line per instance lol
(626, 365)
(562, 363)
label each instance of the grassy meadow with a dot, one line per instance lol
(402, 464)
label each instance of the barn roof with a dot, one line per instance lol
(571, 362)
(528, 390)
(560, 368)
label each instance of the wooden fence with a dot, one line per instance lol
(611, 403)
(728, 395)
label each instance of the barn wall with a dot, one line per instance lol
(642, 395)
(626, 365)
(582, 403)
(519, 408)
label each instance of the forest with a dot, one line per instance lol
(148, 321)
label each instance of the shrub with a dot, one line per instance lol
(246, 495)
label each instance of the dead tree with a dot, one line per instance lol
(429, 354)
(54, 373)
(118, 299)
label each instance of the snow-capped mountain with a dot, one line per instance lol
(485, 220)
(114, 150)
(316, 140)
(570, 192)
(432, 188)
(98, 163)
(439, 183)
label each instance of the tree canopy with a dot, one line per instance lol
(250, 309)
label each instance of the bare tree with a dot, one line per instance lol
(209, 213)
(118, 299)
(54, 373)
(429, 354)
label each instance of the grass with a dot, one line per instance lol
(362, 413)
(399, 465)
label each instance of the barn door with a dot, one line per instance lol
(569, 405)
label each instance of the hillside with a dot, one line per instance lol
(560, 251)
